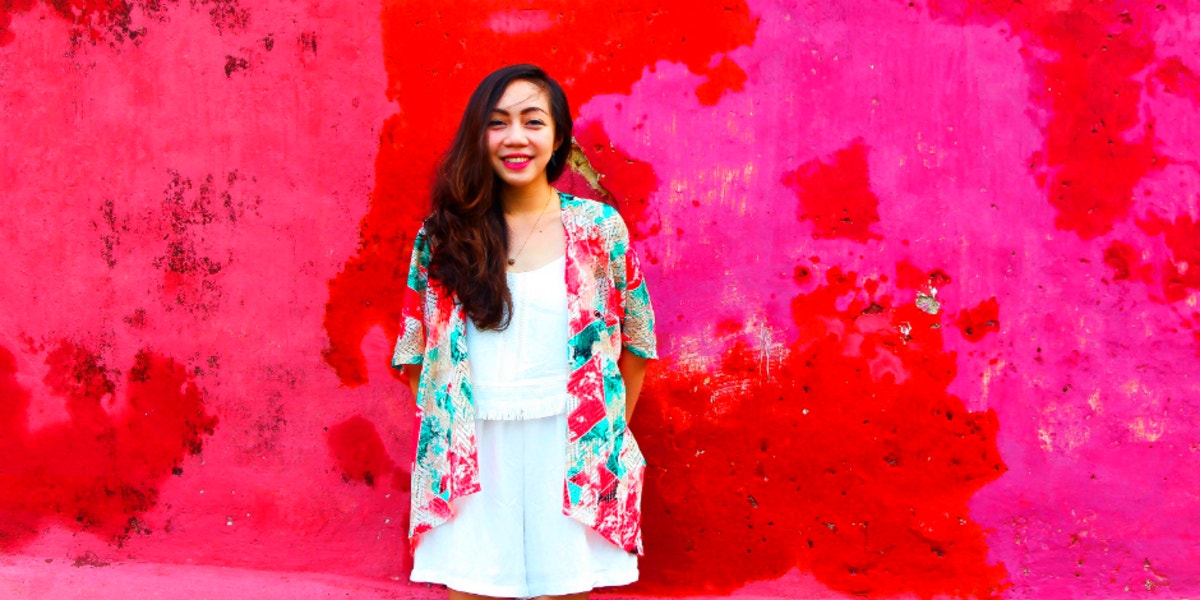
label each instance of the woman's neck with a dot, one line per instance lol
(529, 199)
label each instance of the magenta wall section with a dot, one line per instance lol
(926, 277)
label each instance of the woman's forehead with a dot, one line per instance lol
(521, 95)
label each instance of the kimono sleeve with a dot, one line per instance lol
(637, 324)
(410, 347)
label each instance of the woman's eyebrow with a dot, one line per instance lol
(524, 111)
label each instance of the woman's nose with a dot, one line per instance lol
(516, 136)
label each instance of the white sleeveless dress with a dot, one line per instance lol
(512, 539)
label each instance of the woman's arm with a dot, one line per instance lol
(410, 347)
(414, 378)
(633, 371)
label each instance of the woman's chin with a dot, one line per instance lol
(522, 180)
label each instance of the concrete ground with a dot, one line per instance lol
(33, 578)
(43, 579)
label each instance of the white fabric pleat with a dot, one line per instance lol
(521, 372)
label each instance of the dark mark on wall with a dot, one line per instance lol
(141, 369)
(190, 262)
(261, 424)
(89, 559)
(269, 42)
(137, 526)
(111, 237)
(137, 320)
(308, 42)
(268, 425)
(96, 22)
(235, 63)
(226, 14)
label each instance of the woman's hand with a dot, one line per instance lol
(633, 371)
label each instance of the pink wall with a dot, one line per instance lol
(926, 275)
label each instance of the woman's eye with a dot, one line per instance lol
(535, 123)
(495, 123)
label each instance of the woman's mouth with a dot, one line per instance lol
(516, 161)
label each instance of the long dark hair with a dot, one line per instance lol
(466, 227)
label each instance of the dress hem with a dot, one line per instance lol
(463, 583)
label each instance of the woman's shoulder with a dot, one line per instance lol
(590, 211)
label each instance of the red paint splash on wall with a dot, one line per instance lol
(835, 194)
(852, 461)
(727, 76)
(982, 319)
(1178, 79)
(1126, 263)
(912, 277)
(629, 181)
(1094, 152)
(102, 469)
(1181, 274)
(591, 48)
(358, 451)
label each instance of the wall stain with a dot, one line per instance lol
(1095, 63)
(112, 21)
(727, 76)
(358, 450)
(860, 476)
(234, 64)
(980, 320)
(628, 182)
(308, 43)
(1094, 149)
(101, 470)
(1124, 261)
(1181, 273)
(194, 217)
(111, 229)
(835, 195)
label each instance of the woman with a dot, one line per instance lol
(527, 328)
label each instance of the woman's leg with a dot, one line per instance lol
(457, 595)
(579, 596)
(473, 554)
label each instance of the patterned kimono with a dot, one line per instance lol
(609, 309)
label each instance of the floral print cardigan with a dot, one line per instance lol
(609, 309)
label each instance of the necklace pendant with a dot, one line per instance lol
(512, 261)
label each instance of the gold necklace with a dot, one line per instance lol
(513, 259)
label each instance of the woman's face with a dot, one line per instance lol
(520, 135)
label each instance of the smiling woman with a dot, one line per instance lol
(521, 134)
(527, 481)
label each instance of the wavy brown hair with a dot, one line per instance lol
(466, 228)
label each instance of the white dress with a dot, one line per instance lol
(512, 539)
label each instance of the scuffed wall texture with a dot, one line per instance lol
(926, 275)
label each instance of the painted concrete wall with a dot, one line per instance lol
(926, 275)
